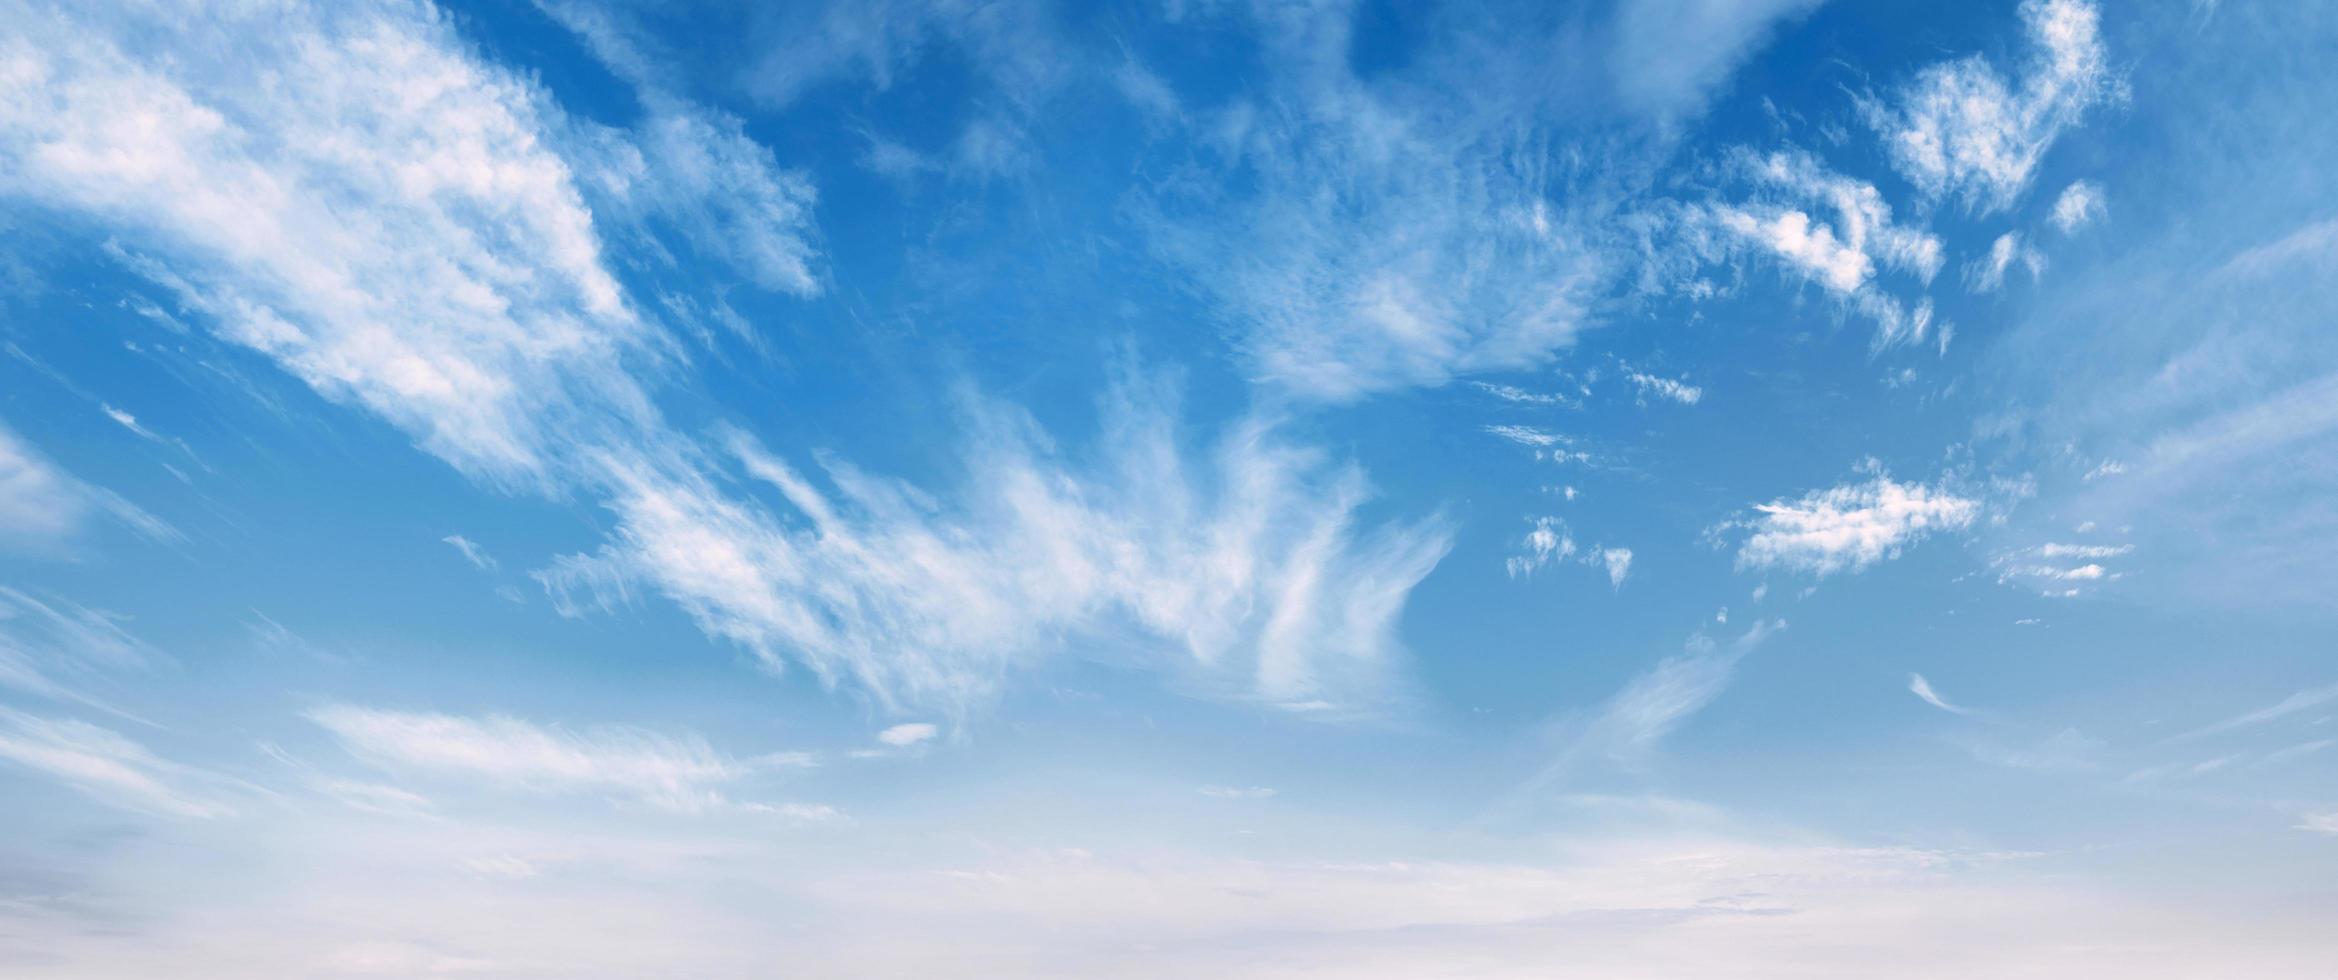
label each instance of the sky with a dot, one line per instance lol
(1621, 488)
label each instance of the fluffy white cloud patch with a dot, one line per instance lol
(2079, 205)
(1962, 129)
(1828, 229)
(1849, 527)
(908, 734)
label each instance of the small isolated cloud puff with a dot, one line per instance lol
(1987, 273)
(1619, 564)
(1666, 388)
(1238, 792)
(472, 552)
(1922, 688)
(1849, 527)
(905, 735)
(1546, 542)
(1962, 129)
(2080, 204)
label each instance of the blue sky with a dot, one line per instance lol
(1645, 488)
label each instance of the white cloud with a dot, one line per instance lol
(1922, 688)
(1845, 257)
(2054, 550)
(1146, 90)
(2067, 750)
(694, 168)
(1669, 54)
(1526, 435)
(472, 552)
(2299, 701)
(1674, 389)
(396, 223)
(1546, 542)
(1238, 792)
(2060, 570)
(1513, 393)
(1626, 728)
(2320, 823)
(1962, 129)
(798, 812)
(1815, 251)
(1358, 237)
(2079, 205)
(1250, 559)
(47, 646)
(674, 772)
(42, 506)
(1849, 527)
(469, 299)
(1547, 446)
(130, 422)
(1987, 273)
(102, 763)
(1619, 564)
(375, 797)
(908, 734)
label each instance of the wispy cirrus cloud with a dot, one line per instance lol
(471, 551)
(676, 772)
(1922, 689)
(1669, 55)
(1248, 557)
(53, 648)
(440, 259)
(1627, 728)
(42, 507)
(1357, 238)
(106, 765)
(2299, 701)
